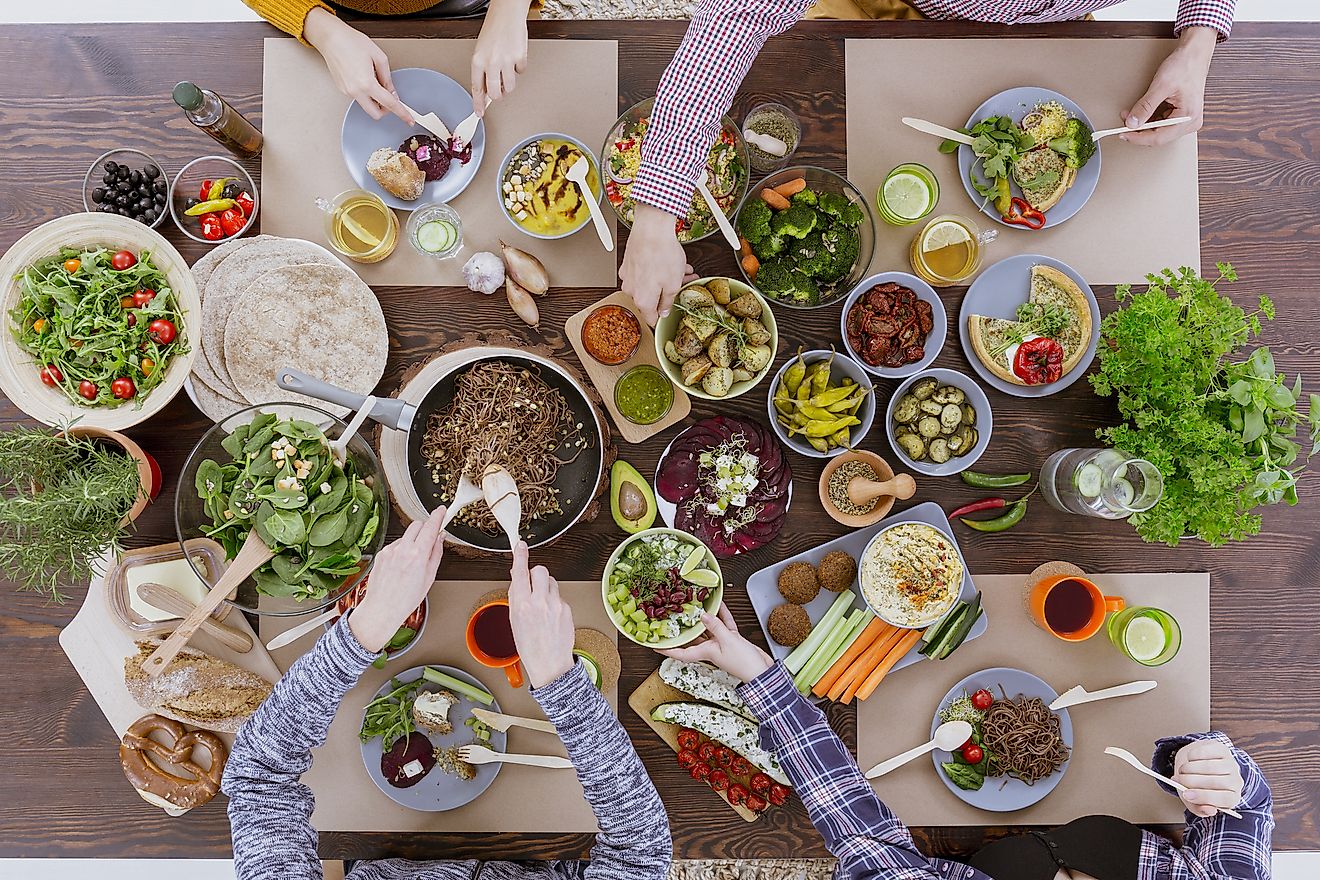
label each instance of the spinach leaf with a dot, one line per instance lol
(286, 527)
(328, 529)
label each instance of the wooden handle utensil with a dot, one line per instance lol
(162, 597)
(501, 722)
(862, 491)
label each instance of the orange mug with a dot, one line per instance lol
(1069, 607)
(490, 640)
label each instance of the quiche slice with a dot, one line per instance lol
(995, 340)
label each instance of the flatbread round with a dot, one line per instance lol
(202, 271)
(229, 282)
(319, 318)
(214, 405)
(1081, 309)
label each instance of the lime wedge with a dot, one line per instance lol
(694, 558)
(907, 196)
(1144, 639)
(358, 231)
(944, 234)
(703, 577)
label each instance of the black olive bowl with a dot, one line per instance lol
(129, 183)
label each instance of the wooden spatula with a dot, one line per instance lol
(502, 497)
(168, 600)
(252, 556)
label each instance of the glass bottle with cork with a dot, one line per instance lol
(218, 118)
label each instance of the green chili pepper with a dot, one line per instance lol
(994, 481)
(825, 429)
(793, 375)
(820, 380)
(1010, 518)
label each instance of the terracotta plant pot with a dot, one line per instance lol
(149, 472)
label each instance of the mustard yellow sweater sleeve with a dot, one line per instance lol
(287, 15)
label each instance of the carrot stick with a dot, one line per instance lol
(791, 187)
(774, 199)
(751, 264)
(864, 663)
(873, 680)
(873, 631)
(744, 246)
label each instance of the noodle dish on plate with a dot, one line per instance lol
(1019, 748)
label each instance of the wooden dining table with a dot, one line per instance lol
(70, 92)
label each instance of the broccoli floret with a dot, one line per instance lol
(833, 204)
(754, 221)
(1075, 145)
(796, 221)
(805, 291)
(804, 197)
(841, 243)
(770, 246)
(810, 256)
(774, 279)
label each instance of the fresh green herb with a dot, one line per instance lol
(1221, 432)
(961, 709)
(1042, 319)
(965, 776)
(1040, 180)
(62, 504)
(389, 716)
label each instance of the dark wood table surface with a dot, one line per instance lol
(69, 92)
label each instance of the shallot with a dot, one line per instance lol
(525, 269)
(524, 306)
(484, 273)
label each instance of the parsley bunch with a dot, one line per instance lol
(1221, 432)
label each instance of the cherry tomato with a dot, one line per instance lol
(39, 326)
(756, 803)
(700, 771)
(686, 757)
(983, 699)
(718, 780)
(51, 375)
(147, 366)
(972, 753)
(737, 794)
(126, 302)
(143, 296)
(760, 783)
(123, 260)
(232, 221)
(88, 389)
(205, 190)
(161, 331)
(211, 228)
(724, 756)
(778, 794)
(72, 266)
(123, 388)
(245, 202)
(707, 751)
(688, 738)
(739, 766)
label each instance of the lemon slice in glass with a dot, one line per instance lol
(907, 196)
(944, 234)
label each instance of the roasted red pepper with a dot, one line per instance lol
(246, 203)
(232, 221)
(1022, 214)
(211, 228)
(1039, 361)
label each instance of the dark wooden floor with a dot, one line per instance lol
(69, 92)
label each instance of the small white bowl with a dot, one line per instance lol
(841, 367)
(934, 341)
(984, 423)
(187, 183)
(667, 327)
(932, 616)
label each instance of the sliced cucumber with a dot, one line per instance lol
(1090, 480)
(1124, 493)
(436, 236)
(957, 634)
(936, 631)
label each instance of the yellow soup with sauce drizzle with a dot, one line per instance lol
(536, 190)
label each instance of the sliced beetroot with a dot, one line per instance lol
(677, 480)
(406, 749)
(430, 153)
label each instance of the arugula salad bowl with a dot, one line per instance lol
(36, 286)
(326, 522)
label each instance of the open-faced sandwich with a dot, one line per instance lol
(1043, 173)
(1048, 339)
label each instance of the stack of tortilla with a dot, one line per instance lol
(270, 303)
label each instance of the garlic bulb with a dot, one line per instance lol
(484, 272)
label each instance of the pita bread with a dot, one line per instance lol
(215, 405)
(320, 318)
(980, 328)
(202, 271)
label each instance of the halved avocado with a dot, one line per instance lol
(631, 500)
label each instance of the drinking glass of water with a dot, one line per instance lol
(1107, 483)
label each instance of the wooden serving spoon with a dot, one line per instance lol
(162, 597)
(465, 494)
(252, 556)
(501, 493)
(862, 491)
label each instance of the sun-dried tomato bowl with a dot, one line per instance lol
(932, 342)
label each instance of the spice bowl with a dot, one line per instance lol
(102, 194)
(842, 367)
(882, 471)
(778, 121)
(611, 334)
(187, 187)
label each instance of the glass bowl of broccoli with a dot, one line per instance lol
(811, 235)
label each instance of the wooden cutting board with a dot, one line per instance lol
(652, 693)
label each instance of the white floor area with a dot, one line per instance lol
(1287, 866)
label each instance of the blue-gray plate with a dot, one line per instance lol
(437, 790)
(426, 91)
(1016, 103)
(1003, 794)
(996, 293)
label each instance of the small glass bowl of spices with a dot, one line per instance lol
(842, 470)
(644, 395)
(611, 334)
(768, 129)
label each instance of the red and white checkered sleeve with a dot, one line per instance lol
(697, 88)
(1217, 14)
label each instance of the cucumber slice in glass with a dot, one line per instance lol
(1090, 480)
(1124, 493)
(436, 235)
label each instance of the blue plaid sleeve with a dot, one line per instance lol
(858, 828)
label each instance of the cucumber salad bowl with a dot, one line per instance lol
(657, 583)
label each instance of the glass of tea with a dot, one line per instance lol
(1069, 607)
(490, 640)
(360, 226)
(947, 250)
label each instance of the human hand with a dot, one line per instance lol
(542, 622)
(725, 647)
(501, 52)
(400, 579)
(1180, 83)
(359, 68)
(1212, 776)
(653, 264)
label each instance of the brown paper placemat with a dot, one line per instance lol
(520, 799)
(1145, 212)
(575, 92)
(898, 715)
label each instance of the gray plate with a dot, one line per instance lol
(1016, 103)
(763, 586)
(438, 790)
(997, 293)
(1003, 794)
(426, 91)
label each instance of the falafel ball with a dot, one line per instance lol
(798, 584)
(836, 571)
(789, 625)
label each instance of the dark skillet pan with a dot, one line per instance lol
(576, 481)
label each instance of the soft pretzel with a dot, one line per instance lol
(152, 778)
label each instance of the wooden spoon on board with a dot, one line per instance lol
(168, 600)
(252, 556)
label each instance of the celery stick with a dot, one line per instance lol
(802, 653)
(816, 667)
(863, 620)
(435, 676)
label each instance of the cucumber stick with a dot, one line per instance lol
(832, 649)
(435, 676)
(802, 653)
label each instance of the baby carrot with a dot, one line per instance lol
(857, 672)
(791, 187)
(774, 199)
(873, 680)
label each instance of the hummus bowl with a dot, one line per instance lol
(911, 574)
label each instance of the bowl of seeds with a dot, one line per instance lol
(769, 128)
(870, 498)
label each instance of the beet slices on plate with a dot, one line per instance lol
(682, 481)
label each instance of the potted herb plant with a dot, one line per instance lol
(65, 498)
(1218, 421)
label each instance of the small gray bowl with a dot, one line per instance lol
(504, 165)
(934, 341)
(842, 366)
(984, 423)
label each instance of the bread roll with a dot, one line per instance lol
(195, 688)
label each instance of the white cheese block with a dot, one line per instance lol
(176, 574)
